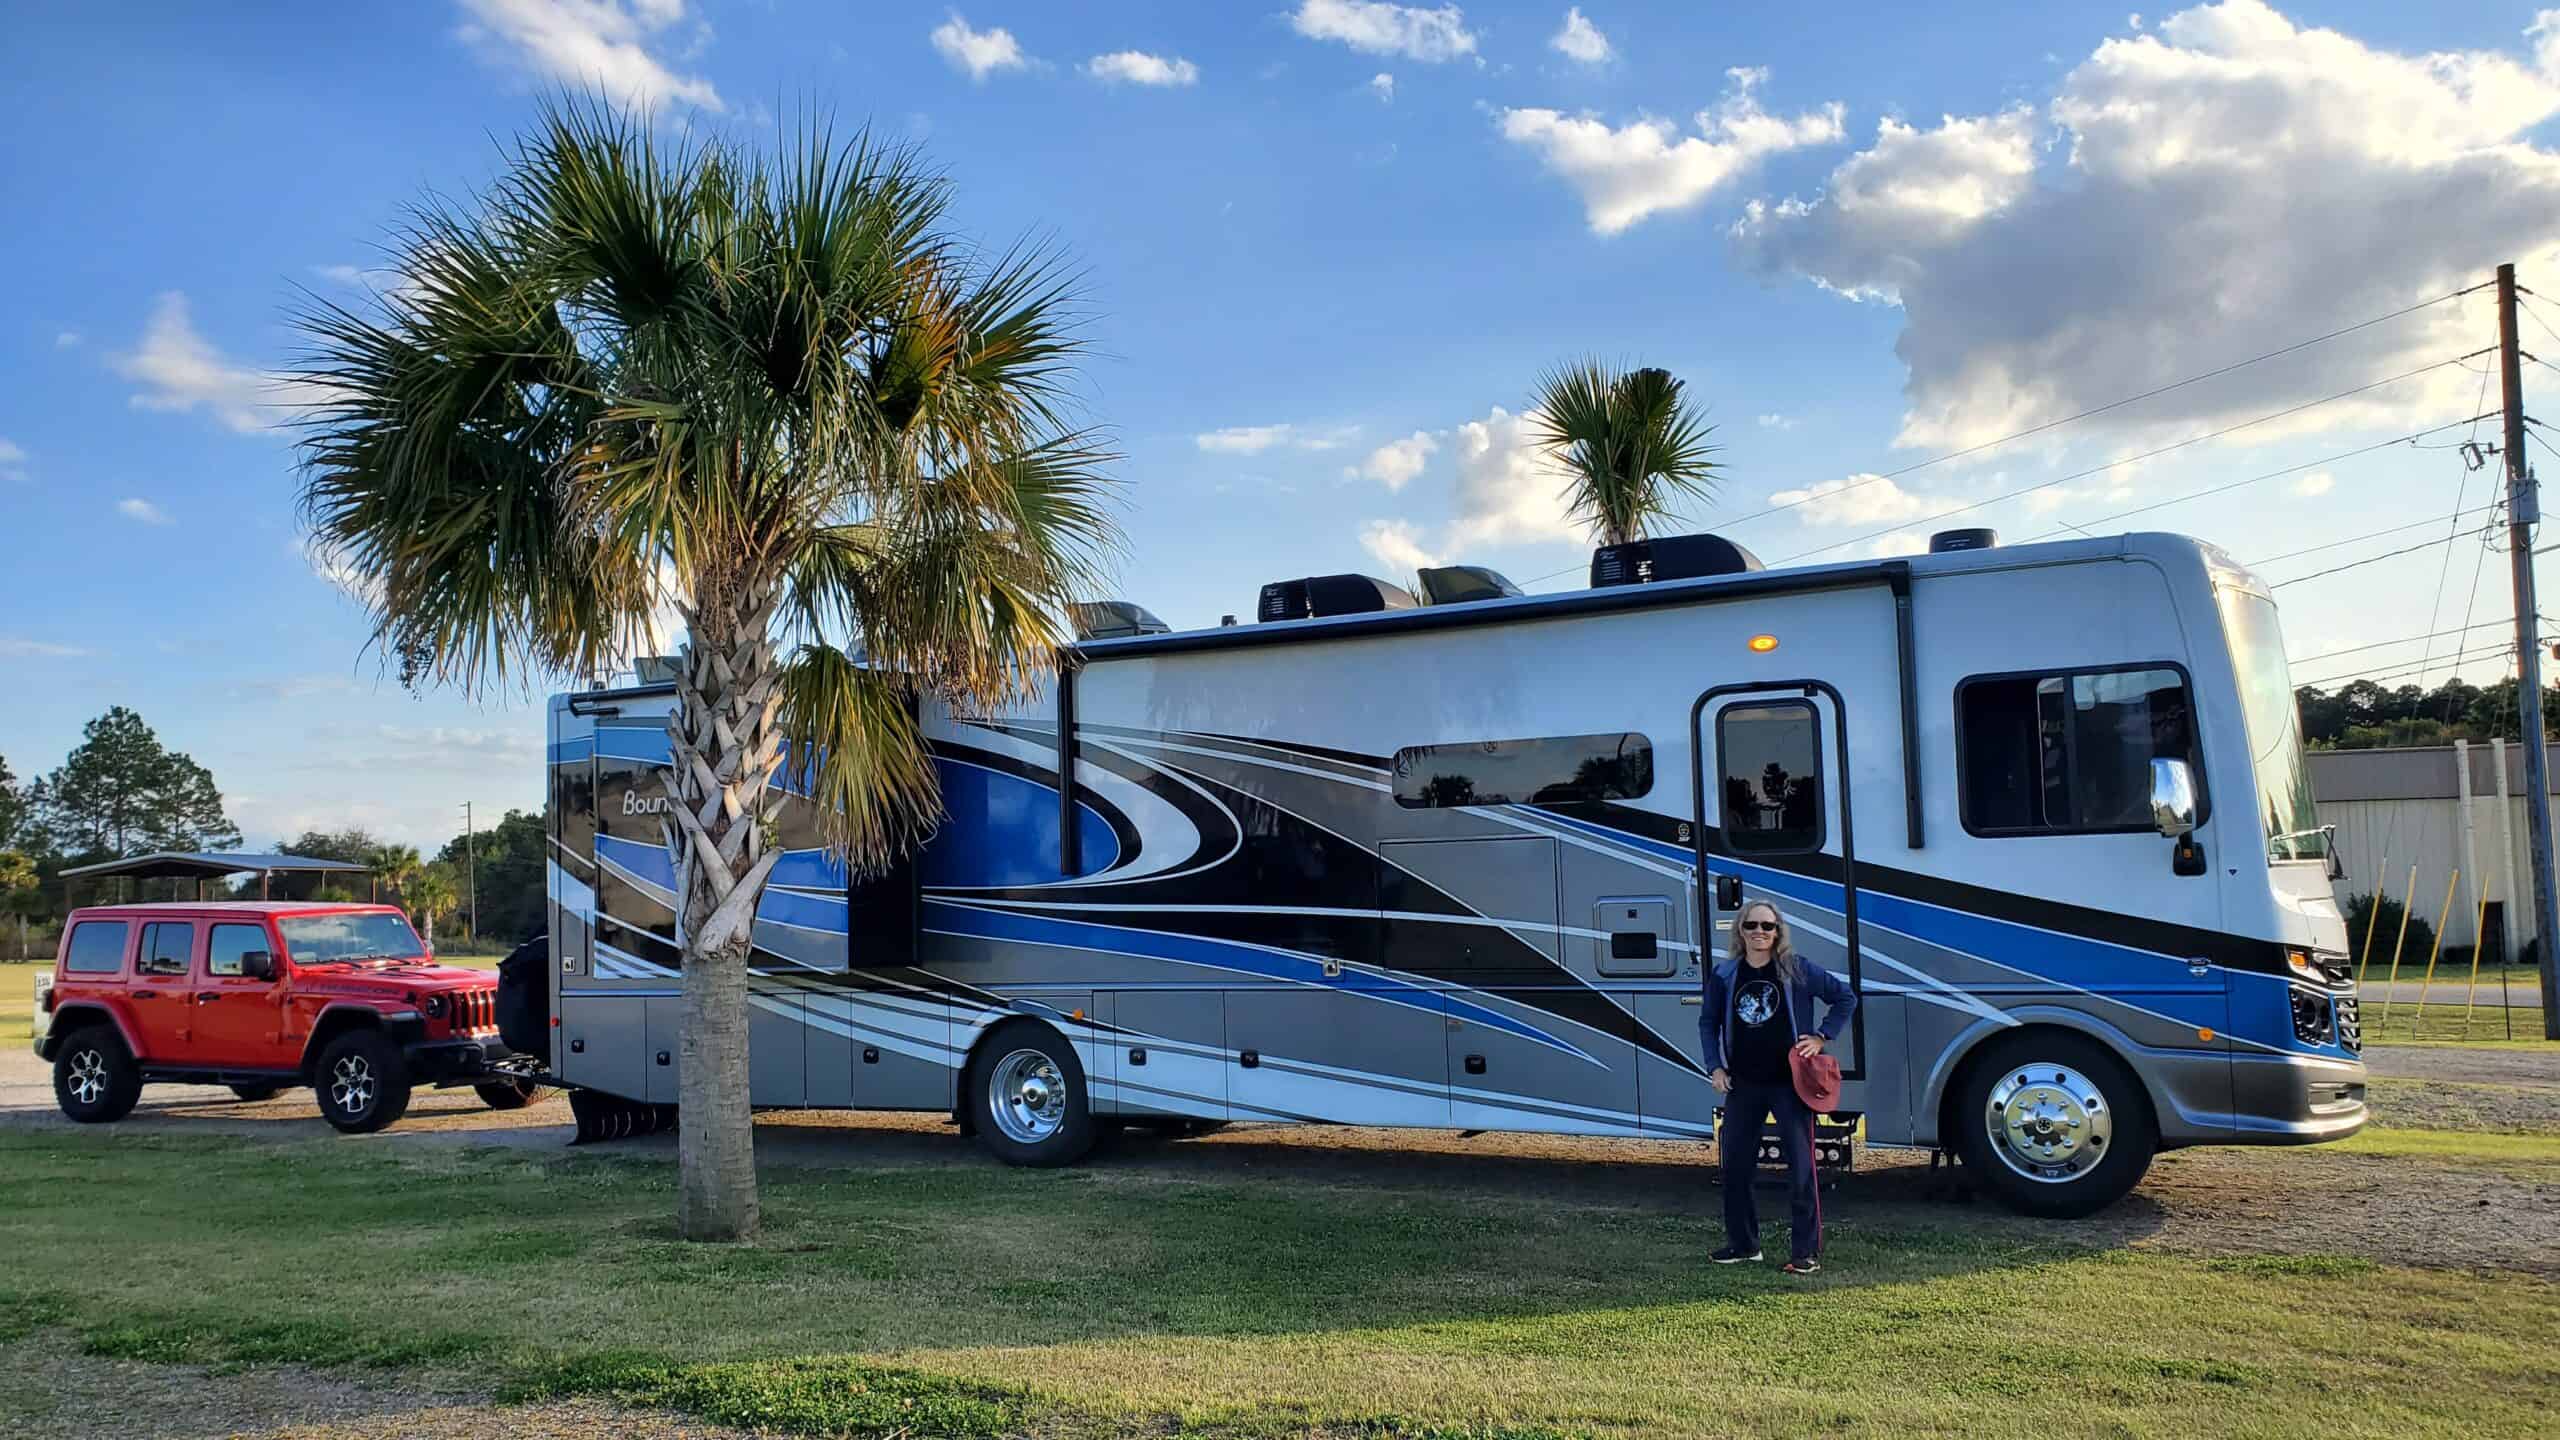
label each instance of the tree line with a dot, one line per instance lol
(2365, 715)
(121, 792)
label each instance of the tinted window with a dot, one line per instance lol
(1769, 758)
(167, 948)
(228, 943)
(1525, 772)
(2053, 754)
(97, 947)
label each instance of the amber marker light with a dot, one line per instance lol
(1763, 644)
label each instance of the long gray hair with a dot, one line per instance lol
(1783, 953)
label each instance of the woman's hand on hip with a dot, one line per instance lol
(1719, 1079)
(1808, 1046)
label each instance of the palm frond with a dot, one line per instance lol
(1628, 441)
(858, 753)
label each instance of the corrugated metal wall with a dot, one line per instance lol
(2398, 808)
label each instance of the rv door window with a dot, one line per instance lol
(1770, 758)
(2068, 753)
(1524, 772)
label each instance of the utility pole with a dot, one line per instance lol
(2524, 508)
(472, 869)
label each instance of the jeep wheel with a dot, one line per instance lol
(1028, 1098)
(94, 1077)
(255, 1093)
(363, 1081)
(2055, 1125)
(508, 1094)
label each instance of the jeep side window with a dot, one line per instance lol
(97, 947)
(223, 951)
(167, 947)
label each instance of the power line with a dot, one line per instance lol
(2368, 535)
(2163, 450)
(2379, 644)
(2368, 560)
(2390, 673)
(2128, 400)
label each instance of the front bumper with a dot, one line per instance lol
(452, 1062)
(2296, 1099)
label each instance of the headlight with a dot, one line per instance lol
(2299, 962)
(433, 1005)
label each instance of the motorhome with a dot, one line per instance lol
(1459, 861)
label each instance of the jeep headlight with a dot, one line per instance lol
(434, 1006)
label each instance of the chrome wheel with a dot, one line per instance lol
(1027, 1094)
(88, 1078)
(351, 1085)
(2049, 1123)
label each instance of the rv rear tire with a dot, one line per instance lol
(2054, 1124)
(1027, 1097)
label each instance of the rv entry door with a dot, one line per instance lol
(1773, 823)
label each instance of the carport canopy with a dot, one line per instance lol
(203, 865)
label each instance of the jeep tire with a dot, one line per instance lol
(363, 1081)
(94, 1078)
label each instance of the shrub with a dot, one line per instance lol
(2385, 929)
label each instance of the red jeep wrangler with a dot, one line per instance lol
(260, 996)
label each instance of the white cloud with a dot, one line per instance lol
(1254, 439)
(1397, 546)
(607, 44)
(17, 648)
(2192, 195)
(1509, 489)
(1626, 173)
(338, 572)
(1383, 85)
(1580, 40)
(13, 461)
(67, 340)
(1398, 461)
(1775, 421)
(1381, 29)
(181, 370)
(2318, 482)
(2134, 20)
(978, 53)
(1137, 67)
(142, 510)
(1864, 499)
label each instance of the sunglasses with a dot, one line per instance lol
(1759, 925)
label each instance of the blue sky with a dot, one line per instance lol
(1328, 246)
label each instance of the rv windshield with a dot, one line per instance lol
(2275, 732)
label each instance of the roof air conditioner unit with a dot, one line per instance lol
(1320, 595)
(1669, 557)
(1114, 620)
(1460, 584)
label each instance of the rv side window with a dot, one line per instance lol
(2068, 753)
(1524, 772)
(1770, 759)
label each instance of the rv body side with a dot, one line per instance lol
(1291, 880)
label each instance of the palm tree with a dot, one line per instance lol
(432, 892)
(1628, 441)
(773, 394)
(394, 866)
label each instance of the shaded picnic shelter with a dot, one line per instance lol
(220, 865)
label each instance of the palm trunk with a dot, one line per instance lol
(724, 744)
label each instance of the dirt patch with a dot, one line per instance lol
(49, 1388)
(2463, 1105)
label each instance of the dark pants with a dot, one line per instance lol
(1746, 1108)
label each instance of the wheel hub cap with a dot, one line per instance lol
(1028, 1096)
(351, 1085)
(2049, 1123)
(88, 1076)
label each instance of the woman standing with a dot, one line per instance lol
(1758, 1006)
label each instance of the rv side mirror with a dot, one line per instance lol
(258, 964)
(2173, 797)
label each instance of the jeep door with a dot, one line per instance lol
(162, 997)
(239, 1018)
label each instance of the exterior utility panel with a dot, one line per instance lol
(1462, 867)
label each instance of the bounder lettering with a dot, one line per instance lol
(633, 803)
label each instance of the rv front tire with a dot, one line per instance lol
(2054, 1124)
(1027, 1096)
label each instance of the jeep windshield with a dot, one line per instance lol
(323, 939)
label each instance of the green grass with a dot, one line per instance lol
(2527, 1157)
(2444, 1023)
(972, 1300)
(18, 1002)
